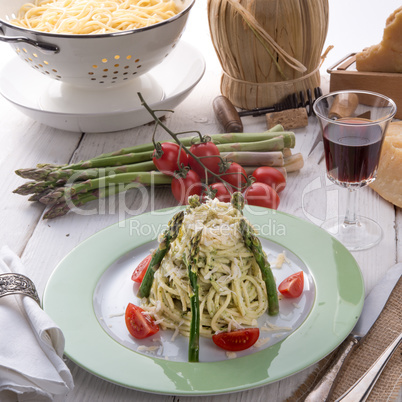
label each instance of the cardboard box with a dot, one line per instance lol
(344, 75)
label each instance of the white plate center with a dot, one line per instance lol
(115, 290)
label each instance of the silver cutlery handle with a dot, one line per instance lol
(324, 388)
(362, 387)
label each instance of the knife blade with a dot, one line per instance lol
(373, 306)
(376, 300)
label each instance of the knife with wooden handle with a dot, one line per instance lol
(373, 306)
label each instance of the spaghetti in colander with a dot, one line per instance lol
(93, 16)
(232, 292)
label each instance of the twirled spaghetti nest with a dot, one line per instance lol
(232, 292)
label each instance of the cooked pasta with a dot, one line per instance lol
(232, 293)
(93, 16)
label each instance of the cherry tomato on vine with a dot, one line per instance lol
(167, 159)
(139, 272)
(271, 176)
(223, 194)
(139, 324)
(235, 175)
(237, 340)
(209, 154)
(262, 195)
(182, 188)
(293, 285)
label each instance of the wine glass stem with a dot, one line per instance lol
(350, 216)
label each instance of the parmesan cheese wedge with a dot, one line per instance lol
(387, 55)
(388, 182)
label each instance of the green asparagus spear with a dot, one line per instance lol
(64, 172)
(34, 173)
(227, 138)
(56, 210)
(254, 245)
(255, 158)
(35, 187)
(274, 144)
(38, 196)
(112, 161)
(194, 201)
(191, 262)
(169, 235)
(144, 178)
(94, 173)
(63, 207)
(237, 201)
(276, 129)
(48, 166)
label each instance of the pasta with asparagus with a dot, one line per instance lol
(213, 275)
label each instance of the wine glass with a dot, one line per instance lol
(353, 126)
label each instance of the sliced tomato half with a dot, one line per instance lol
(139, 272)
(238, 340)
(293, 285)
(139, 324)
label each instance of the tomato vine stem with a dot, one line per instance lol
(224, 163)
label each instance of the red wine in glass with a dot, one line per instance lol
(352, 151)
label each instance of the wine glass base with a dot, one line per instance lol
(363, 234)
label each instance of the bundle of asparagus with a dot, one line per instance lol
(65, 186)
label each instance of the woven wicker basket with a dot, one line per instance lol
(268, 49)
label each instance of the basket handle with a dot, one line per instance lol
(42, 46)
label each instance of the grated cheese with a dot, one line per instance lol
(151, 349)
(281, 259)
(269, 327)
(261, 342)
(231, 355)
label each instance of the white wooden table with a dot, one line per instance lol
(42, 244)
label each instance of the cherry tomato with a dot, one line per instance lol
(262, 195)
(271, 176)
(235, 175)
(222, 193)
(139, 272)
(182, 188)
(236, 340)
(167, 161)
(139, 324)
(293, 285)
(209, 156)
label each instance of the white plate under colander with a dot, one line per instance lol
(61, 106)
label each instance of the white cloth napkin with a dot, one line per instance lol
(31, 346)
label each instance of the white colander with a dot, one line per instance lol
(100, 60)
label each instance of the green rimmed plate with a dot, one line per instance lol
(87, 293)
